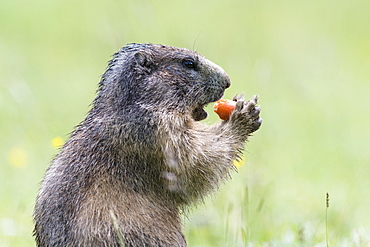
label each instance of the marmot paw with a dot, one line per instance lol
(247, 113)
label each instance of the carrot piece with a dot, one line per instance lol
(224, 108)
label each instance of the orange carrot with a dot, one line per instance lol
(224, 108)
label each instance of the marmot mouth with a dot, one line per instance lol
(199, 114)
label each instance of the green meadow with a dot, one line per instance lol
(309, 61)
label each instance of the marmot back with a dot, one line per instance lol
(141, 155)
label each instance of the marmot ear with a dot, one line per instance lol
(142, 59)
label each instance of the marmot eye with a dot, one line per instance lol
(189, 64)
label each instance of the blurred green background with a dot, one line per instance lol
(308, 60)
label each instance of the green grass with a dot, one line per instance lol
(308, 61)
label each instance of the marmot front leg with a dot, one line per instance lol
(199, 165)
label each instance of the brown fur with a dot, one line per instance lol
(141, 155)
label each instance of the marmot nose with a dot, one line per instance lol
(227, 82)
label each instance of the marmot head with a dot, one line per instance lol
(163, 78)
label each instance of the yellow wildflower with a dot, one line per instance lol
(57, 142)
(239, 163)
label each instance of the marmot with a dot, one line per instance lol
(141, 155)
